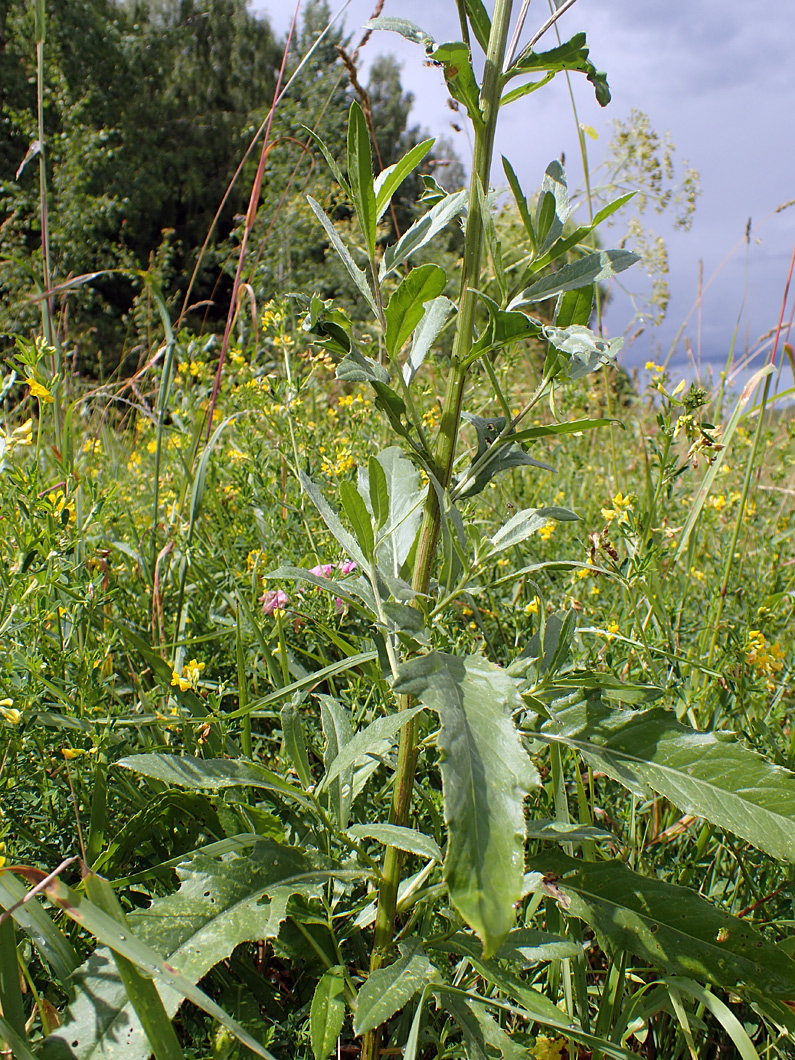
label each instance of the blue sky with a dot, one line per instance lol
(715, 74)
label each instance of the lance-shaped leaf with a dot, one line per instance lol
(433, 320)
(394, 835)
(355, 272)
(525, 523)
(460, 77)
(360, 174)
(387, 990)
(327, 1013)
(553, 210)
(704, 773)
(547, 430)
(358, 516)
(389, 180)
(406, 498)
(407, 305)
(593, 268)
(503, 458)
(410, 30)
(480, 21)
(572, 55)
(671, 927)
(422, 231)
(48, 939)
(220, 903)
(214, 774)
(356, 368)
(336, 723)
(372, 741)
(485, 775)
(521, 201)
(332, 520)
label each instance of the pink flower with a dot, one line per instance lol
(346, 566)
(322, 570)
(274, 600)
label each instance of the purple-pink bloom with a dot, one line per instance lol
(346, 566)
(322, 570)
(274, 600)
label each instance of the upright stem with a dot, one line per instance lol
(444, 456)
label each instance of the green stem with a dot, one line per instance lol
(444, 457)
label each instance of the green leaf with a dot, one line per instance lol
(460, 77)
(525, 523)
(141, 992)
(354, 271)
(593, 268)
(394, 835)
(531, 434)
(670, 927)
(422, 231)
(559, 832)
(575, 307)
(360, 174)
(48, 939)
(358, 517)
(332, 521)
(433, 320)
(406, 29)
(148, 960)
(407, 305)
(406, 499)
(721, 1012)
(553, 206)
(20, 1050)
(220, 904)
(295, 743)
(482, 1036)
(332, 162)
(586, 350)
(388, 990)
(703, 773)
(485, 776)
(336, 723)
(480, 22)
(389, 180)
(377, 492)
(373, 741)
(327, 1013)
(525, 90)
(505, 457)
(573, 55)
(356, 368)
(521, 201)
(215, 774)
(525, 946)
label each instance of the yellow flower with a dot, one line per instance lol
(39, 391)
(3, 852)
(23, 434)
(652, 367)
(699, 575)
(10, 714)
(189, 678)
(718, 502)
(621, 505)
(547, 530)
(71, 752)
(595, 590)
(532, 607)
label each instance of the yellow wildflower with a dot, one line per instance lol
(3, 851)
(621, 505)
(652, 367)
(189, 678)
(10, 714)
(532, 607)
(547, 530)
(39, 391)
(718, 502)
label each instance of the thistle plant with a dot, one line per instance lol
(457, 891)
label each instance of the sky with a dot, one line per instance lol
(717, 76)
